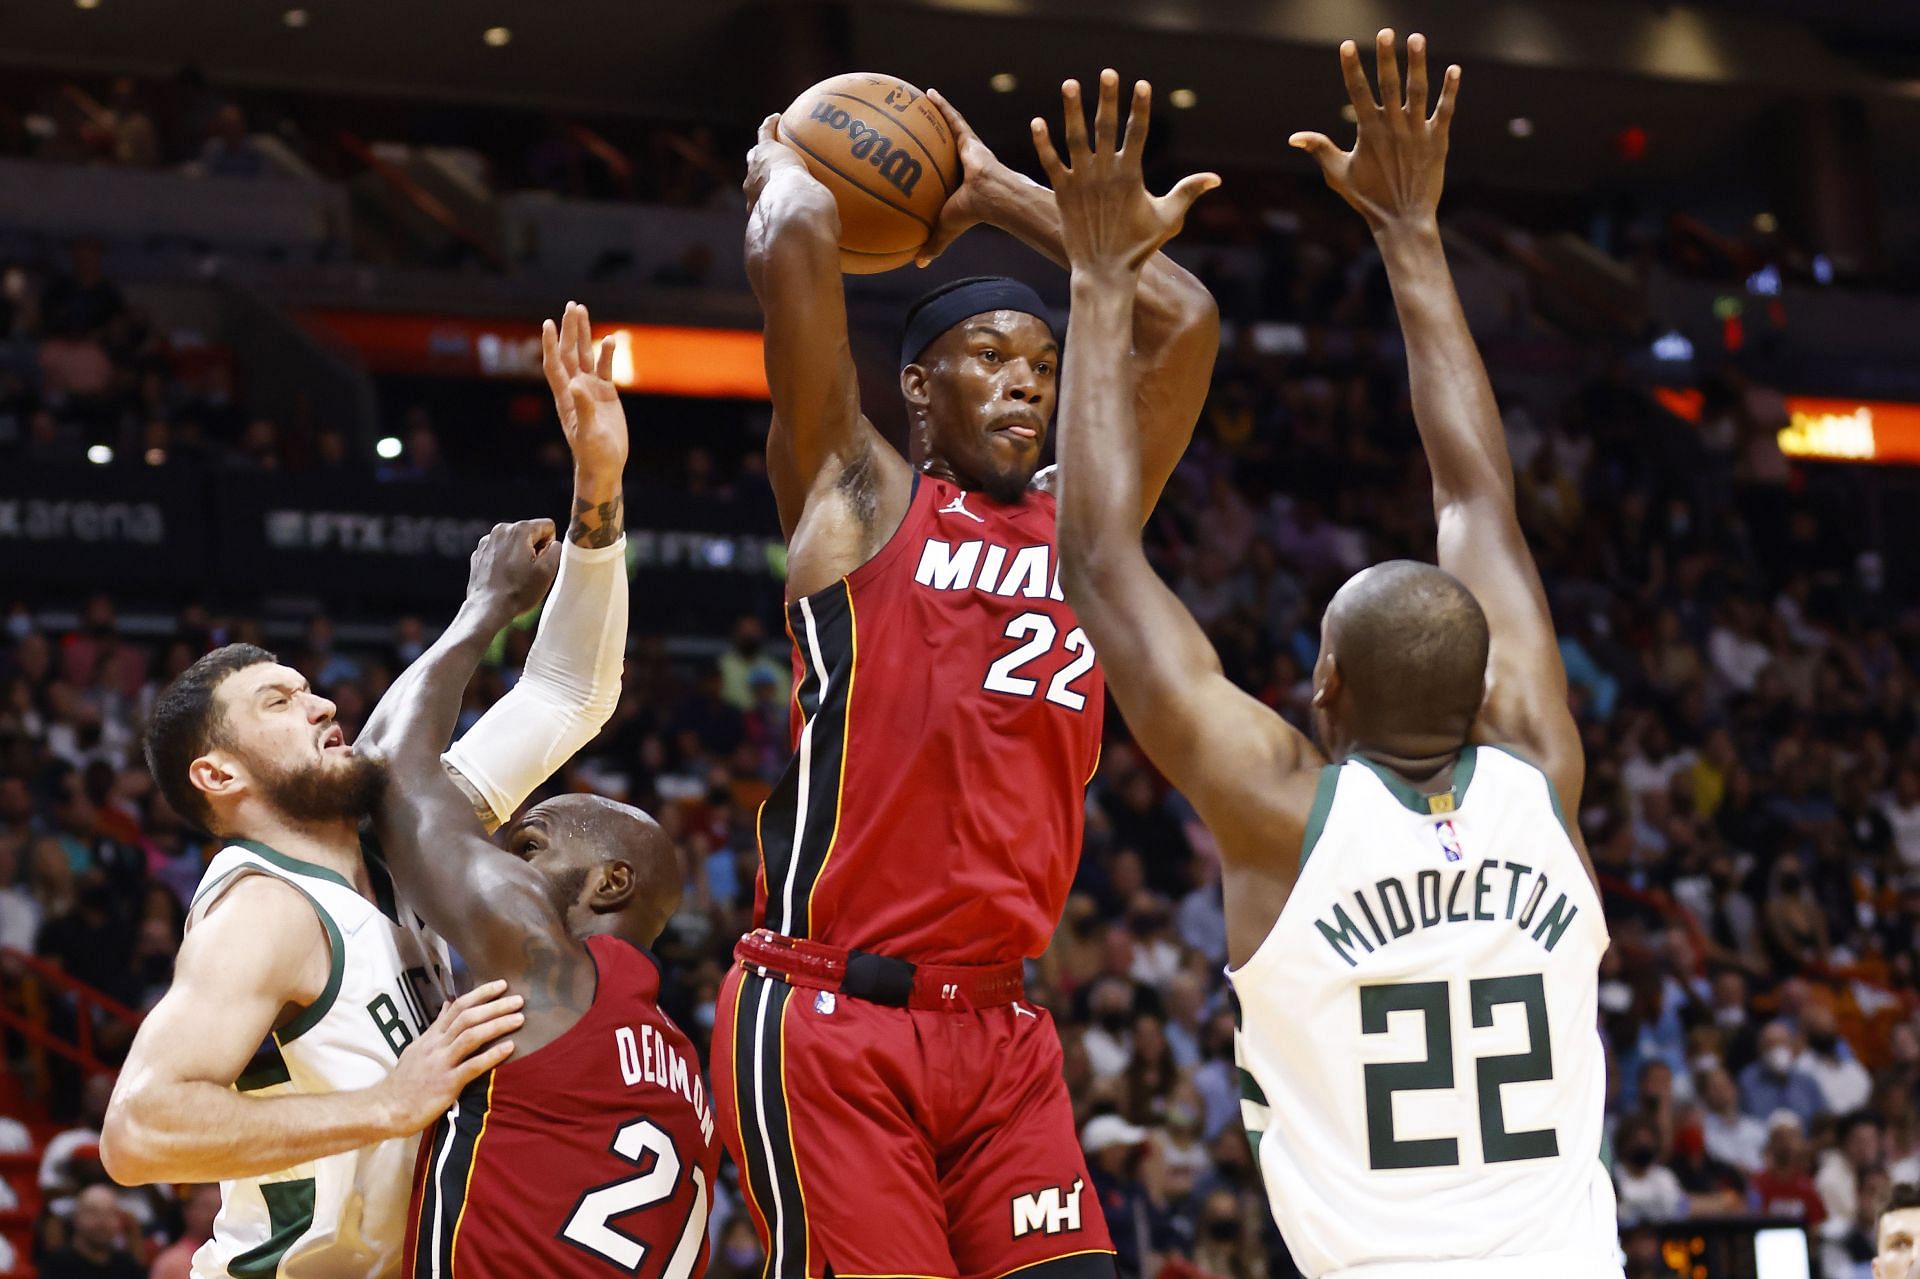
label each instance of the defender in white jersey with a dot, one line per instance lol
(297, 955)
(1415, 930)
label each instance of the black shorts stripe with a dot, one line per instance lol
(799, 819)
(772, 1173)
(457, 1136)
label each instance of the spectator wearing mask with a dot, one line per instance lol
(1714, 1187)
(1775, 1082)
(1228, 1243)
(1109, 1041)
(95, 1248)
(745, 658)
(1647, 1189)
(739, 1255)
(1829, 1059)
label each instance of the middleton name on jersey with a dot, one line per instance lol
(647, 1058)
(1494, 892)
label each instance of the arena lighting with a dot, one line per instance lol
(1672, 347)
(648, 359)
(1182, 99)
(1348, 114)
(156, 457)
(1765, 223)
(388, 447)
(1822, 269)
(1765, 282)
(86, 4)
(1520, 127)
(99, 455)
(295, 18)
(1004, 82)
(496, 37)
(1829, 430)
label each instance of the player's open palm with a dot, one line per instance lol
(464, 1042)
(1398, 163)
(1108, 220)
(581, 379)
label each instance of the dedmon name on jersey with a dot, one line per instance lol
(1423, 1078)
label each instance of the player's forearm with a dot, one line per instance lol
(423, 705)
(565, 695)
(1170, 301)
(189, 1131)
(1453, 403)
(1099, 446)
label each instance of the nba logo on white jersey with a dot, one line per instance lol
(1425, 1086)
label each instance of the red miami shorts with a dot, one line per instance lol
(882, 1141)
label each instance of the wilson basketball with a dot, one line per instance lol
(887, 155)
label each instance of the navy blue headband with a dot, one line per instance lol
(974, 297)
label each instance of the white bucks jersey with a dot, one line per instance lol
(345, 1214)
(1423, 1076)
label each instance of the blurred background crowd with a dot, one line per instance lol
(1742, 644)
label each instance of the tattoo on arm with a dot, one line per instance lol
(489, 820)
(547, 981)
(597, 524)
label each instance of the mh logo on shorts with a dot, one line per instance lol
(1051, 1210)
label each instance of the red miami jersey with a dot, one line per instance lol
(590, 1158)
(946, 720)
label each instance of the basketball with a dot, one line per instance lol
(887, 155)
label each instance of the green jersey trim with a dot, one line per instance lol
(1437, 802)
(310, 1016)
(1322, 805)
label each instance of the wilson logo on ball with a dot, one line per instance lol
(865, 142)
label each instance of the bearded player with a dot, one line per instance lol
(1415, 931)
(897, 1107)
(592, 1151)
(298, 957)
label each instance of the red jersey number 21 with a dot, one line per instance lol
(1038, 631)
(591, 1225)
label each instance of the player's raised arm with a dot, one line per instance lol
(1175, 329)
(820, 441)
(1393, 177)
(493, 908)
(571, 683)
(257, 950)
(1218, 745)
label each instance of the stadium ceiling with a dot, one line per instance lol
(1704, 78)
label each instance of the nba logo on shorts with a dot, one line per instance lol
(823, 1003)
(1449, 841)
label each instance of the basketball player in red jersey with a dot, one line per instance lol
(896, 1106)
(591, 1152)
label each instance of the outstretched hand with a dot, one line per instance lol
(581, 379)
(1108, 220)
(1398, 163)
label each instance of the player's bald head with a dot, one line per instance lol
(616, 861)
(1403, 653)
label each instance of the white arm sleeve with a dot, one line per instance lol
(568, 690)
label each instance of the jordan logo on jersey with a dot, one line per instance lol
(958, 506)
